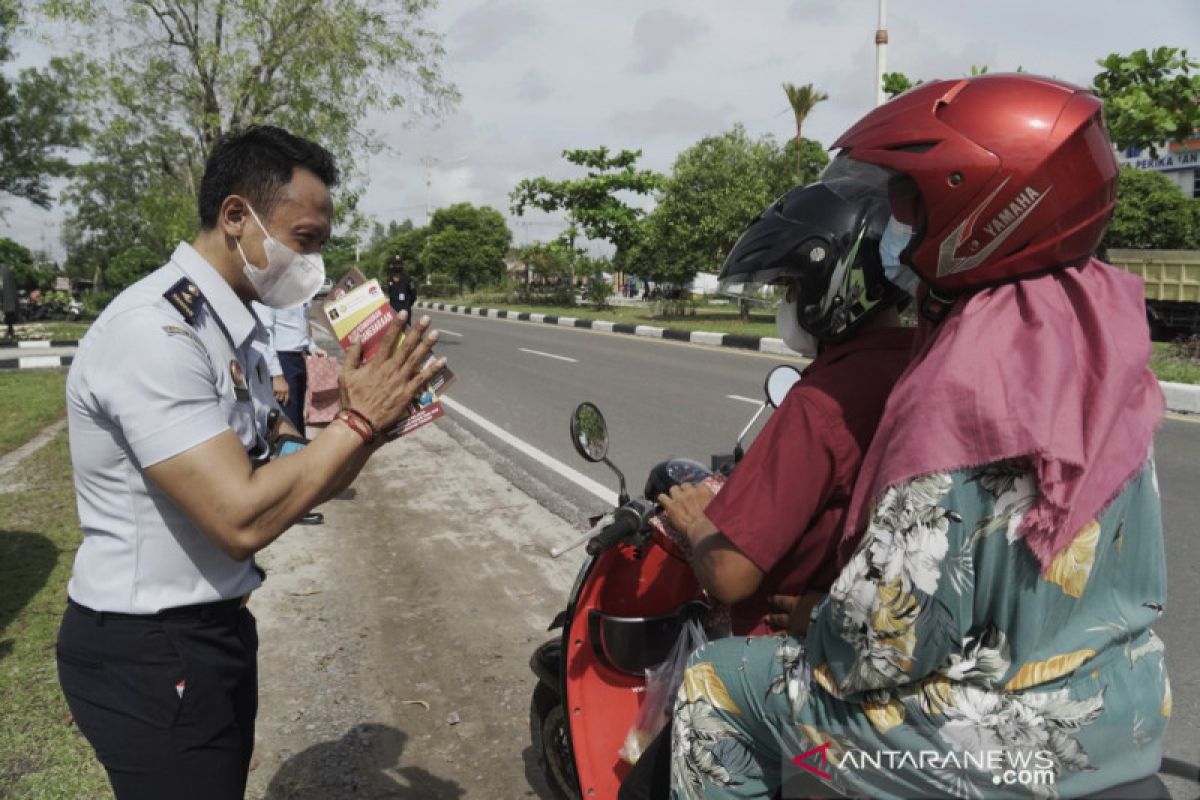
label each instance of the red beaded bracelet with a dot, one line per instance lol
(359, 424)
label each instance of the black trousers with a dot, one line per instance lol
(167, 701)
(296, 375)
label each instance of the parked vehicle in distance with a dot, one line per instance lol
(1172, 288)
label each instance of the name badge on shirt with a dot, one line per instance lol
(241, 391)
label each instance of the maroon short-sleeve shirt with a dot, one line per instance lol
(784, 504)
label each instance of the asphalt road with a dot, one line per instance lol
(665, 398)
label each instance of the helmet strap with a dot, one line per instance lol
(935, 307)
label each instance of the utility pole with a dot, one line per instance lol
(429, 162)
(881, 41)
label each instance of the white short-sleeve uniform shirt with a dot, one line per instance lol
(148, 383)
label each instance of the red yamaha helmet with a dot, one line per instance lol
(999, 176)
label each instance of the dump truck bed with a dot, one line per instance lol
(1172, 276)
(1172, 284)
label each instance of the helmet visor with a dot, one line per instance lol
(762, 290)
(857, 181)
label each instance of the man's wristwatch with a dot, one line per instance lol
(358, 423)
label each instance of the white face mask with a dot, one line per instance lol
(290, 279)
(896, 237)
(787, 320)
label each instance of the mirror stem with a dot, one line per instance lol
(623, 497)
(737, 450)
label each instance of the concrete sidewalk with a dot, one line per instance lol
(395, 638)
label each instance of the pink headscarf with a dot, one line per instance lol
(1052, 369)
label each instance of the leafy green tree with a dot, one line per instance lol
(802, 99)
(467, 243)
(165, 78)
(716, 188)
(1152, 213)
(341, 254)
(132, 193)
(1150, 97)
(130, 266)
(599, 291)
(897, 83)
(397, 240)
(39, 121)
(25, 271)
(548, 261)
(591, 203)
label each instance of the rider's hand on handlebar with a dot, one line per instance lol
(685, 508)
(795, 611)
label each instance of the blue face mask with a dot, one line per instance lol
(896, 237)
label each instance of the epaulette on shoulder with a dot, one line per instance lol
(185, 295)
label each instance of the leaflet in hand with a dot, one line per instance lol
(362, 314)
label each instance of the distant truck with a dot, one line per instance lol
(1172, 288)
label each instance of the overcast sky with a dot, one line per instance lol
(541, 76)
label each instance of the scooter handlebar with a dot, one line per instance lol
(555, 552)
(627, 520)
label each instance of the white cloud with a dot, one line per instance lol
(533, 88)
(487, 29)
(673, 117)
(659, 34)
(814, 11)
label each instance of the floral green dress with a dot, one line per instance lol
(945, 663)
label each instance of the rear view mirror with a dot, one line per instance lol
(779, 382)
(589, 432)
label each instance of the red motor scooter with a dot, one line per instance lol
(631, 600)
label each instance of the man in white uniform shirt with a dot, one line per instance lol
(168, 400)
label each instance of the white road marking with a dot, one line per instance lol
(750, 400)
(548, 355)
(449, 333)
(574, 476)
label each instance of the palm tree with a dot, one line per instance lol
(802, 100)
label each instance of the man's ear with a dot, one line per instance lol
(232, 217)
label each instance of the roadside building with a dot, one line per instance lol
(1179, 161)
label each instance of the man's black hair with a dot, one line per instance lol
(256, 163)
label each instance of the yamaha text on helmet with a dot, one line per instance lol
(999, 176)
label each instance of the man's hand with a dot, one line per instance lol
(280, 387)
(721, 568)
(794, 613)
(685, 508)
(318, 352)
(382, 390)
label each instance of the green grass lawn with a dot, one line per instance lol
(42, 331)
(29, 401)
(1170, 365)
(42, 754)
